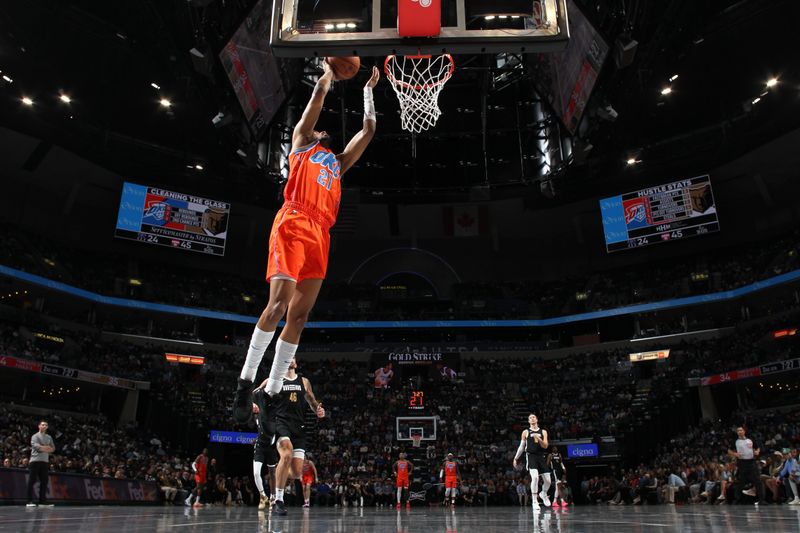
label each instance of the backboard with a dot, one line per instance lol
(406, 426)
(311, 28)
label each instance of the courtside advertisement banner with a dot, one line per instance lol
(664, 213)
(77, 488)
(168, 218)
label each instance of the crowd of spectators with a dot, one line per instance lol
(110, 273)
(696, 466)
(587, 395)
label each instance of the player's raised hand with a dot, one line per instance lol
(320, 411)
(373, 80)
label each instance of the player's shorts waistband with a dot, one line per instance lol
(313, 213)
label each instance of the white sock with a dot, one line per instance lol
(545, 484)
(399, 495)
(279, 495)
(534, 485)
(284, 353)
(257, 477)
(258, 345)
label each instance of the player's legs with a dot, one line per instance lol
(306, 493)
(546, 482)
(534, 487)
(299, 307)
(280, 294)
(285, 451)
(272, 483)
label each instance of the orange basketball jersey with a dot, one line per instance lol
(402, 469)
(450, 469)
(314, 186)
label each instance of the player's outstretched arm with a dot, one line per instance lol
(303, 131)
(543, 442)
(355, 148)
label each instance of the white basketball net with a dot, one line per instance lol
(417, 82)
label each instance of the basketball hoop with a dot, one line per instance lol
(416, 440)
(417, 82)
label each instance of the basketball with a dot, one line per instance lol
(344, 68)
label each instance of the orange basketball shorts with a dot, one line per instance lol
(449, 482)
(298, 246)
(308, 480)
(402, 482)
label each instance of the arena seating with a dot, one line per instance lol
(109, 274)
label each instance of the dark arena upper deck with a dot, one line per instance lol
(408, 266)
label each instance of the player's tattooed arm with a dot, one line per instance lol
(312, 401)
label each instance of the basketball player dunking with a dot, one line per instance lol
(402, 469)
(290, 429)
(309, 478)
(264, 451)
(534, 443)
(299, 241)
(450, 472)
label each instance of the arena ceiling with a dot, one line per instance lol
(117, 61)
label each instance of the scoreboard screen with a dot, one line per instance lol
(664, 213)
(168, 218)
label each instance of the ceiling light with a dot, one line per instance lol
(155, 86)
(27, 101)
(351, 25)
(489, 17)
(64, 98)
(631, 161)
(198, 166)
(772, 82)
(666, 90)
(329, 26)
(165, 103)
(673, 78)
(9, 80)
(514, 16)
(756, 100)
(341, 26)
(503, 16)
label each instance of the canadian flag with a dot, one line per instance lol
(465, 220)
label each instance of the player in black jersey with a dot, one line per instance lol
(559, 470)
(290, 429)
(264, 451)
(535, 444)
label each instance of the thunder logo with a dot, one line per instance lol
(636, 213)
(156, 214)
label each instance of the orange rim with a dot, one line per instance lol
(442, 81)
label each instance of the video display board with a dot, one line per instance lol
(167, 218)
(664, 213)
